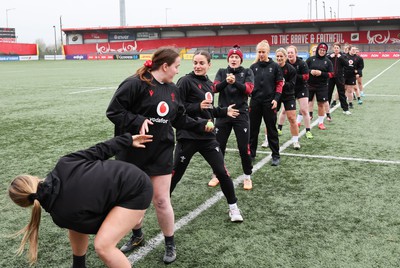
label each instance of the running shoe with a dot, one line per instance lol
(247, 184)
(265, 144)
(360, 102)
(296, 145)
(235, 215)
(347, 112)
(275, 161)
(321, 126)
(309, 135)
(133, 243)
(280, 132)
(214, 181)
(170, 254)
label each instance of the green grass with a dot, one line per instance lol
(308, 212)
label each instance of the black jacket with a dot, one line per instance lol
(193, 89)
(289, 74)
(134, 101)
(267, 76)
(354, 66)
(84, 186)
(339, 63)
(237, 93)
(302, 73)
(325, 66)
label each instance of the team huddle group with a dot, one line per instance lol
(87, 193)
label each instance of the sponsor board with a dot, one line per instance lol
(31, 57)
(380, 55)
(9, 58)
(145, 56)
(54, 57)
(126, 57)
(76, 57)
(100, 57)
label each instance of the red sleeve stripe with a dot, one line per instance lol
(279, 86)
(331, 74)
(306, 77)
(249, 88)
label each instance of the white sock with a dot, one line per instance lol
(321, 119)
(295, 138)
(233, 206)
(266, 137)
(299, 118)
(247, 177)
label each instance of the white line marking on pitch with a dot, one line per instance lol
(91, 90)
(158, 239)
(327, 157)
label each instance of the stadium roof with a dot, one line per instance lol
(282, 25)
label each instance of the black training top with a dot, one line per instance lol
(84, 186)
(133, 102)
(339, 63)
(322, 64)
(302, 73)
(237, 93)
(354, 66)
(268, 81)
(193, 89)
(289, 74)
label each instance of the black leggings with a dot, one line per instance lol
(209, 149)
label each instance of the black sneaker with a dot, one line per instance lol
(134, 242)
(170, 254)
(351, 105)
(275, 161)
(333, 104)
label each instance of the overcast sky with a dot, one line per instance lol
(34, 19)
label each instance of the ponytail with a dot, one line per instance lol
(22, 192)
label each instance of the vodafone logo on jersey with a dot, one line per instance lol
(162, 108)
(208, 96)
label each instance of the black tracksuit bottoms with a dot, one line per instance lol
(258, 111)
(210, 150)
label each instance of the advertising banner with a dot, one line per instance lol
(121, 36)
(76, 57)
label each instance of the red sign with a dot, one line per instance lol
(95, 36)
(101, 57)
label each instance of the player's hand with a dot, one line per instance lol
(138, 141)
(274, 104)
(209, 126)
(145, 127)
(206, 104)
(232, 112)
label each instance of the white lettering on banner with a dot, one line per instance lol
(330, 38)
(101, 49)
(287, 39)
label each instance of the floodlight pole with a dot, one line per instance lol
(8, 9)
(316, 9)
(166, 15)
(323, 5)
(330, 10)
(61, 31)
(351, 8)
(55, 42)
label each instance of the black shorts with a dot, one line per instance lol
(301, 93)
(350, 81)
(289, 103)
(320, 93)
(155, 160)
